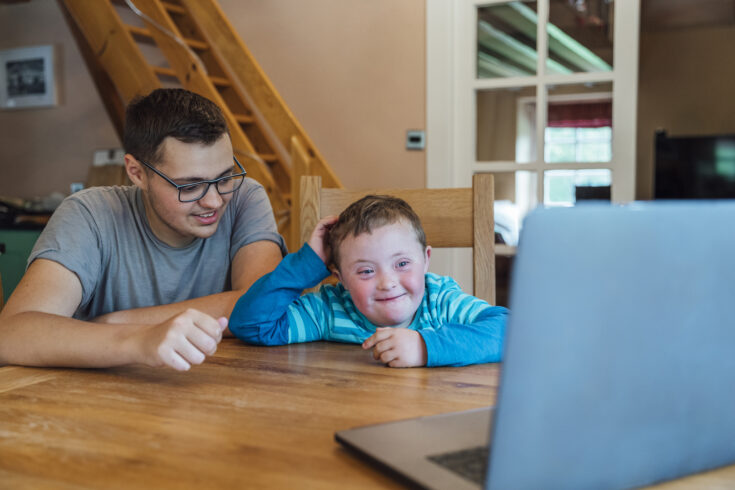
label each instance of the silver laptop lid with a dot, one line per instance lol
(619, 366)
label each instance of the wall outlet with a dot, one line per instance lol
(76, 186)
(111, 156)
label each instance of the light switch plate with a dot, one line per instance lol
(114, 156)
(415, 139)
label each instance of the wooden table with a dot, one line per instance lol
(250, 417)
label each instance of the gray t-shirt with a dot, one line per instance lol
(102, 235)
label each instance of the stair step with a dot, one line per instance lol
(173, 8)
(143, 34)
(164, 71)
(268, 157)
(244, 119)
(217, 81)
(220, 81)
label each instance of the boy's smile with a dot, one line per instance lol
(384, 273)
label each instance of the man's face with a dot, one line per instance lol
(384, 273)
(179, 223)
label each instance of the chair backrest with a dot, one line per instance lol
(450, 217)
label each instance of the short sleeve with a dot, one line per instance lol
(73, 239)
(252, 218)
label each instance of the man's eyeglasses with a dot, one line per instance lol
(197, 190)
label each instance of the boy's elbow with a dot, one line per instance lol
(260, 335)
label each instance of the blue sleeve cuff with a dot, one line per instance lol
(460, 345)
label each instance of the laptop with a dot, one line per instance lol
(619, 362)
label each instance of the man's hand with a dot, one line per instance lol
(318, 239)
(182, 340)
(397, 347)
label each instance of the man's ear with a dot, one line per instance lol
(135, 171)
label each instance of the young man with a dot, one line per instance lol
(160, 263)
(386, 300)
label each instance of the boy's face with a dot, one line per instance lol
(384, 273)
(178, 223)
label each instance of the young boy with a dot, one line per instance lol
(386, 300)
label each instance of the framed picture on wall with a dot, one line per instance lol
(27, 77)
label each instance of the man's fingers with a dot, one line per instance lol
(209, 325)
(174, 360)
(202, 341)
(223, 322)
(190, 353)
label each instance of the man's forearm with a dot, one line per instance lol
(44, 339)
(215, 305)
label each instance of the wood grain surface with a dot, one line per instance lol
(249, 417)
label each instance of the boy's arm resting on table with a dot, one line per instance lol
(250, 263)
(464, 341)
(261, 315)
(36, 329)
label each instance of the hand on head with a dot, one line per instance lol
(185, 339)
(397, 347)
(319, 240)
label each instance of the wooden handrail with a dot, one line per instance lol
(205, 55)
(245, 72)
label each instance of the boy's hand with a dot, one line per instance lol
(397, 347)
(318, 239)
(180, 341)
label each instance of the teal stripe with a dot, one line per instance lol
(297, 322)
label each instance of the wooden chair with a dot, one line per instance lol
(451, 218)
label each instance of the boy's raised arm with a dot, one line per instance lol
(261, 314)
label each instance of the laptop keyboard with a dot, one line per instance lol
(469, 463)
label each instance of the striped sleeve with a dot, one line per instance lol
(271, 311)
(460, 329)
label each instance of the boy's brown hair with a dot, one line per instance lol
(372, 211)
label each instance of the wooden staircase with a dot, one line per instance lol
(134, 46)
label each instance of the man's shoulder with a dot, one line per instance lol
(103, 206)
(104, 197)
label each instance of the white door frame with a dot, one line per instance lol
(451, 100)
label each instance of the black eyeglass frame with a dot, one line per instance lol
(216, 181)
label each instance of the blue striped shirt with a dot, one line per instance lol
(457, 328)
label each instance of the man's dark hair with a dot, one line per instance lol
(174, 112)
(372, 211)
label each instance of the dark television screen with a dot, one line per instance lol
(694, 167)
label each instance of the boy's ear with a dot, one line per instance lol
(335, 273)
(427, 253)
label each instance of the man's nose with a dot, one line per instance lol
(212, 198)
